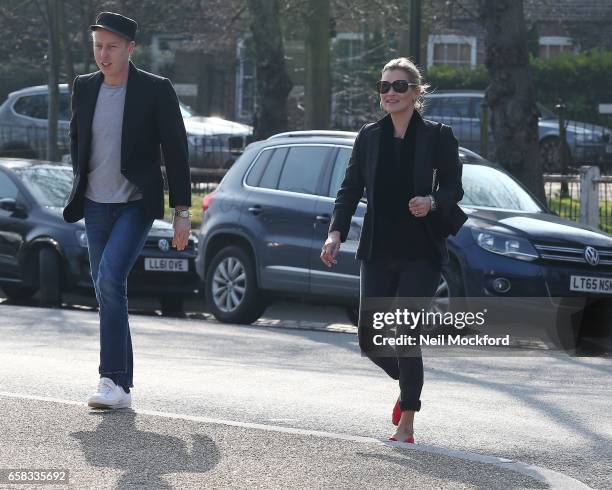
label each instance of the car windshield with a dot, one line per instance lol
(488, 187)
(49, 184)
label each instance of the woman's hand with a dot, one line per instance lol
(330, 248)
(419, 206)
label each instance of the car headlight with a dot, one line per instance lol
(516, 248)
(81, 236)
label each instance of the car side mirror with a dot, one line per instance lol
(8, 204)
(13, 206)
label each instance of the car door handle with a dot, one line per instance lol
(255, 209)
(322, 218)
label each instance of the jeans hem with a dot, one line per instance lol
(408, 405)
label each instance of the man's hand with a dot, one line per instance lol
(419, 206)
(182, 229)
(330, 248)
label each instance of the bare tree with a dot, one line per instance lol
(511, 94)
(54, 58)
(318, 77)
(273, 82)
(66, 45)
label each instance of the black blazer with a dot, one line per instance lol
(151, 118)
(436, 148)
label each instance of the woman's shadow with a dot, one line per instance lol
(144, 457)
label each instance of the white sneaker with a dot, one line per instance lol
(109, 395)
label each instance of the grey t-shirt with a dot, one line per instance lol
(105, 183)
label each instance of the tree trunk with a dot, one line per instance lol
(510, 94)
(415, 31)
(54, 64)
(87, 18)
(66, 48)
(273, 82)
(318, 79)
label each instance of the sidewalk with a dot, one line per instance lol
(126, 448)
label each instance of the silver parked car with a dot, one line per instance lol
(461, 110)
(213, 142)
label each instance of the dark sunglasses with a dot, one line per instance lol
(399, 86)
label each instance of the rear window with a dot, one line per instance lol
(303, 168)
(258, 168)
(269, 179)
(342, 159)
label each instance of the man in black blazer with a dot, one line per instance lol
(121, 117)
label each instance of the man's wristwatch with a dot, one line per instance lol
(182, 214)
(434, 204)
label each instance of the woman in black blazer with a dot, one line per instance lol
(410, 170)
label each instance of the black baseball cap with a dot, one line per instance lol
(117, 23)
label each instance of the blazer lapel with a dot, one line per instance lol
(422, 168)
(129, 110)
(373, 155)
(88, 104)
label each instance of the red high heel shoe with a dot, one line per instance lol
(409, 439)
(397, 413)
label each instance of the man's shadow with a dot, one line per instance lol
(144, 457)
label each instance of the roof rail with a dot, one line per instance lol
(315, 133)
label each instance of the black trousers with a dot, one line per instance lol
(408, 279)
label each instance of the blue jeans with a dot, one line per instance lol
(116, 233)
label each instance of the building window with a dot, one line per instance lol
(451, 50)
(246, 89)
(551, 46)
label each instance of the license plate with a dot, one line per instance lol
(166, 265)
(591, 284)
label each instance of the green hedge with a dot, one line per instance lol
(582, 81)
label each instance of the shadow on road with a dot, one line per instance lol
(144, 457)
(454, 473)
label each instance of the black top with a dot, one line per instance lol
(397, 233)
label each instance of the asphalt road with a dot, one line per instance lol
(287, 404)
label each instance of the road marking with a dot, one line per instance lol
(550, 477)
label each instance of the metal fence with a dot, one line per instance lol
(206, 151)
(585, 197)
(205, 180)
(565, 143)
(30, 141)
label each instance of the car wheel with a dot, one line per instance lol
(172, 306)
(18, 293)
(231, 287)
(549, 154)
(49, 278)
(353, 315)
(448, 295)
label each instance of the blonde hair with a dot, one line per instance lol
(414, 75)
